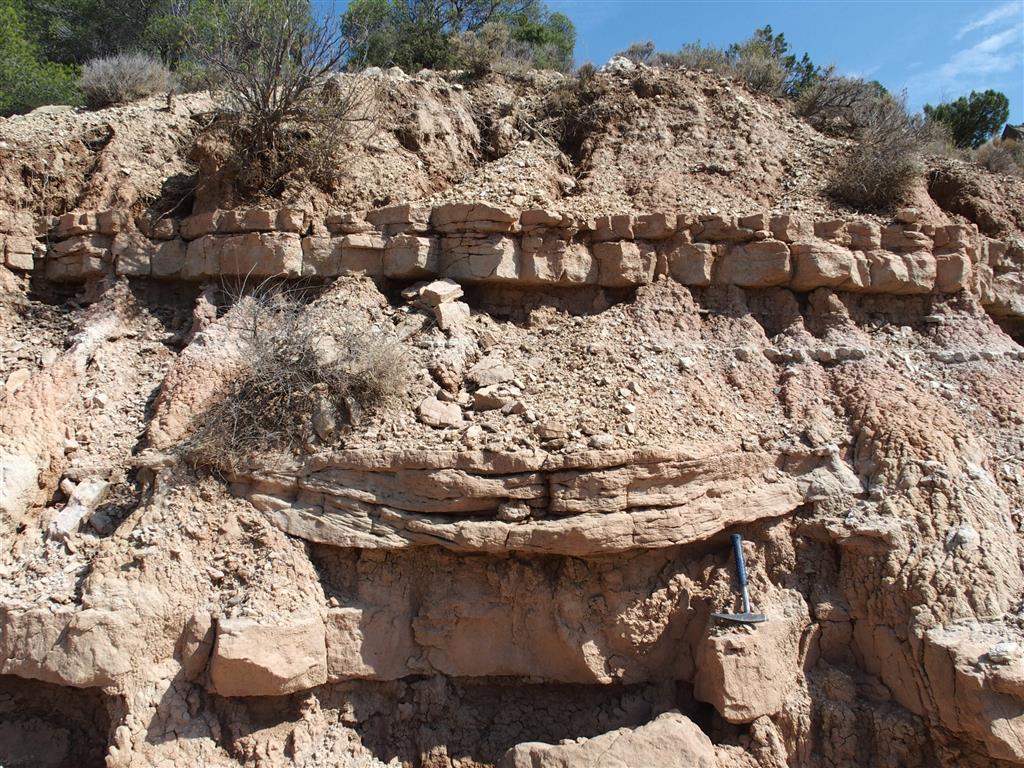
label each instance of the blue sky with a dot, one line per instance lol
(935, 49)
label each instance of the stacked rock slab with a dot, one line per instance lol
(485, 244)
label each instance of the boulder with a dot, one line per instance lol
(901, 273)
(253, 659)
(362, 254)
(473, 217)
(439, 291)
(440, 415)
(480, 258)
(408, 257)
(671, 740)
(451, 315)
(690, 263)
(747, 672)
(371, 643)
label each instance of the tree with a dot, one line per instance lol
(972, 120)
(76, 31)
(414, 34)
(26, 80)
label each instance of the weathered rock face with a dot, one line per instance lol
(514, 557)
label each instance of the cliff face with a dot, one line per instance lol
(613, 355)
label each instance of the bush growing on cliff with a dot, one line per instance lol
(763, 61)
(878, 173)
(284, 108)
(837, 104)
(302, 384)
(1000, 157)
(123, 77)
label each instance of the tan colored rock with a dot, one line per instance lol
(479, 218)
(624, 264)
(821, 264)
(748, 671)
(567, 264)
(253, 659)
(362, 254)
(200, 224)
(902, 238)
(484, 258)
(754, 265)
(953, 272)
(371, 643)
(321, 256)
(435, 413)
(347, 223)
(399, 219)
(608, 228)
(408, 257)
(901, 273)
(75, 224)
(691, 263)
(249, 255)
(671, 740)
(438, 292)
(451, 315)
(789, 227)
(719, 229)
(864, 235)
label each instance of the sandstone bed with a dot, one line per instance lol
(614, 356)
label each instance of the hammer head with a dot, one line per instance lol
(741, 618)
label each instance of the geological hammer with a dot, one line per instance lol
(741, 576)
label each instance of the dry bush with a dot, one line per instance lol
(1000, 156)
(574, 110)
(878, 173)
(837, 104)
(302, 385)
(696, 56)
(286, 109)
(122, 78)
(760, 72)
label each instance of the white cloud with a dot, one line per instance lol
(990, 55)
(1010, 10)
(973, 67)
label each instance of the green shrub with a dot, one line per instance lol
(449, 34)
(122, 78)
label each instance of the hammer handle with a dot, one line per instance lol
(741, 568)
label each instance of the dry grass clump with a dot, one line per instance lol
(122, 78)
(1000, 156)
(302, 386)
